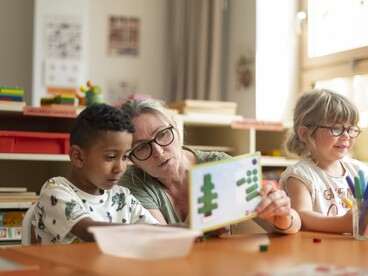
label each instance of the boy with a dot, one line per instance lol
(100, 142)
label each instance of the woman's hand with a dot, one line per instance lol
(275, 207)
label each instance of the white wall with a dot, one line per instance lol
(264, 28)
(277, 67)
(242, 37)
(147, 71)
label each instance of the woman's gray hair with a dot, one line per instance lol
(136, 107)
(315, 108)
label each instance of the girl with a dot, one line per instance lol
(324, 131)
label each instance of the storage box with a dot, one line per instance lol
(34, 142)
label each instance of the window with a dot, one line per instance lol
(334, 49)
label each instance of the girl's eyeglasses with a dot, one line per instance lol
(338, 129)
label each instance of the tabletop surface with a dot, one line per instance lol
(233, 255)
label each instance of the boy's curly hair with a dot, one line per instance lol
(95, 120)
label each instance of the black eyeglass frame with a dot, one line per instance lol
(349, 130)
(154, 140)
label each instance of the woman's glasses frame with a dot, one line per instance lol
(162, 139)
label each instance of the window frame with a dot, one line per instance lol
(342, 64)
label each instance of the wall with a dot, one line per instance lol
(277, 69)
(144, 73)
(47, 11)
(242, 38)
(147, 71)
(16, 32)
(272, 45)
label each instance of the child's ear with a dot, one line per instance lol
(76, 156)
(302, 133)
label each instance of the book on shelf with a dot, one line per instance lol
(204, 103)
(259, 125)
(12, 218)
(10, 233)
(212, 118)
(4, 198)
(17, 204)
(12, 189)
(202, 106)
(20, 194)
(11, 224)
(12, 105)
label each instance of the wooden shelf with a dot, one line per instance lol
(234, 135)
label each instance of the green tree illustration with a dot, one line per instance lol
(208, 196)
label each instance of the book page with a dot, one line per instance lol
(224, 192)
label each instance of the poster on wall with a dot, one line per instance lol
(123, 37)
(63, 37)
(63, 54)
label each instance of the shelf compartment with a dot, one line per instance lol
(34, 142)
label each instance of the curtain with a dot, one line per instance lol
(195, 38)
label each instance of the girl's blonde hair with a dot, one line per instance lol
(313, 109)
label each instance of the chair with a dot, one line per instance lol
(26, 236)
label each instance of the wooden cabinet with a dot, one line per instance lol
(32, 170)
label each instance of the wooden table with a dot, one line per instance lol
(235, 255)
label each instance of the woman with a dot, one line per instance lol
(159, 175)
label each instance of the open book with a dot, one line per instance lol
(224, 192)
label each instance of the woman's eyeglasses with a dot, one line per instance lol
(163, 138)
(338, 129)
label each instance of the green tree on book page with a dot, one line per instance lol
(208, 196)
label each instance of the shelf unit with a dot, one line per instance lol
(205, 133)
(32, 170)
(235, 136)
(217, 133)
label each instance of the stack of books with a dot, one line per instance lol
(16, 197)
(11, 98)
(11, 224)
(11, 94)
(62, 100)
(204, 107)
(14, 203)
